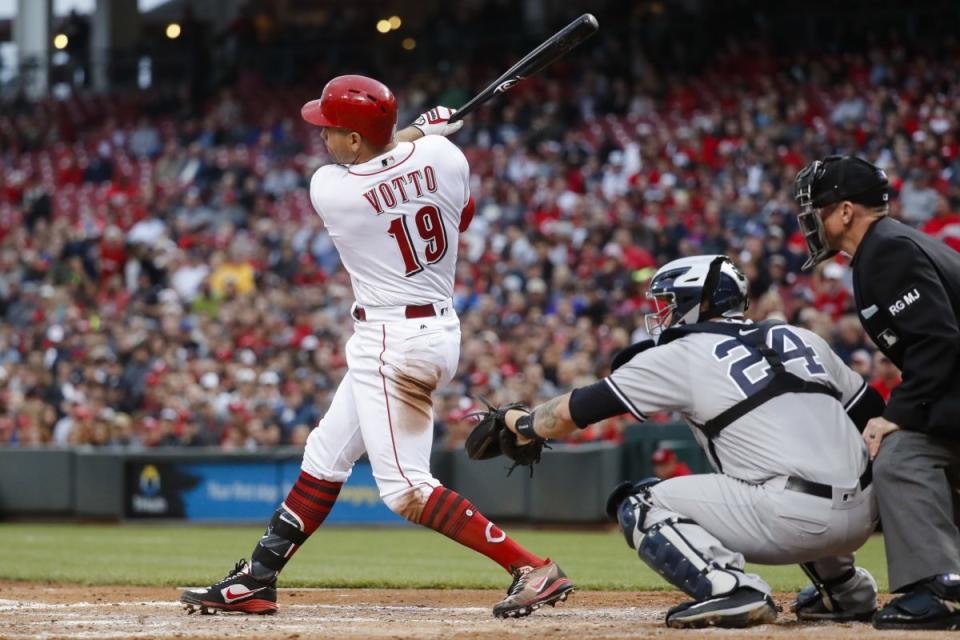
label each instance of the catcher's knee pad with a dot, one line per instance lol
(668, 553)
(283, 535)
(628, 503)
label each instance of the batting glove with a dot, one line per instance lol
(435, 122)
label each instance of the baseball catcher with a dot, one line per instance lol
(779, 416)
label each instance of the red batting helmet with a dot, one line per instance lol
(356, 103)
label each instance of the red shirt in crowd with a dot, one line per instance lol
(946, 228)
(883, 388)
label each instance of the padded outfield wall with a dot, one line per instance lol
(209, 485)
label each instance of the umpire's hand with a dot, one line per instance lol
(874, 432)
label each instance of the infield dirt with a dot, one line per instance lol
(39, 610)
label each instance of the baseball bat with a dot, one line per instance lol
(552, 48)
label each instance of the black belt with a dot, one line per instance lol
(823, 490)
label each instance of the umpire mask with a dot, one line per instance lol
(824, 183)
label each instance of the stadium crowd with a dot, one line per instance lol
(163, 280)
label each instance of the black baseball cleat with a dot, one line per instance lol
(745, 607)
(810, 607)
(239, 591)
(532, 588)
(919, 609)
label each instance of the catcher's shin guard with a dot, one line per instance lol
(669, 553)
(283, 536)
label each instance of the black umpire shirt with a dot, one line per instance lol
(907, 289)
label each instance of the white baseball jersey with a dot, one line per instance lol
(701, 375)
(395, 220)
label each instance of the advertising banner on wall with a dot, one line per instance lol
(240, 490)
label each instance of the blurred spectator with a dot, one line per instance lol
(886, 376)
(945, 224)
(862, 362)
(667, 465)
(145, 139)
(833, 298)
(918, 200)
(849, 338)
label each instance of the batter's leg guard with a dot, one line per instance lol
(284, 535)
(301, 513)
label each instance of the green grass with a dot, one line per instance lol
(334, 557)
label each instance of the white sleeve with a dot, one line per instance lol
(452, 156)
(653, 380)
(316, 189)
(848, 382)
(466, 175)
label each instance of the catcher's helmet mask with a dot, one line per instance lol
(695, 289)
(824, 183)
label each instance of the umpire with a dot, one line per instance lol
(907, 291)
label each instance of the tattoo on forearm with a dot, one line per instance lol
(548, 422)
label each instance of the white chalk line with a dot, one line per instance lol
(21, 605)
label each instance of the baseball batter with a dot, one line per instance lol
(395, 204)
(778, 414)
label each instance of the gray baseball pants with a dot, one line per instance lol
(736, 522)
(915, 488)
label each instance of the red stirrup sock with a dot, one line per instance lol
(311, 499)
(454, 516)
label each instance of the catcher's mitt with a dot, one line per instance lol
(491, 438)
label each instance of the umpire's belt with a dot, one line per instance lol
(444, 308)
(823, 490)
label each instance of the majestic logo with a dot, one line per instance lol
(903, 302)
(491, 538)
(149, 481)
(238, 592)
(869, 312)
(506, 85)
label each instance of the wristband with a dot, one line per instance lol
(524, 427)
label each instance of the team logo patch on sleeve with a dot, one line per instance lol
(904, 300)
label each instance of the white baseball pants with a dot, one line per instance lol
(384, 403)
